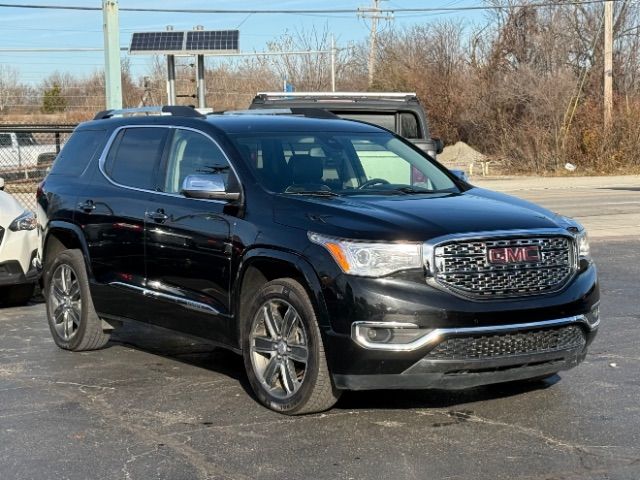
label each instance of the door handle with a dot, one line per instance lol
(158, 216)
(87, 206)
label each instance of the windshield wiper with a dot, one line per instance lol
(412, 190)
(316, 193)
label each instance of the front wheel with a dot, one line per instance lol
(283, 351)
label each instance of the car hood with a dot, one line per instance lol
(412, 217)
(10, 209)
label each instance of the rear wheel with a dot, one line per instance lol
(16, 295)
(283, 351)
(73, 321)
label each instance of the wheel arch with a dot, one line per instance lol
(60, 236)
(262, 265)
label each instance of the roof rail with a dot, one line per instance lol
(340, 95)
(303, 112)
(175, 110)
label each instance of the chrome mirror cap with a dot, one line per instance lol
(209, 187)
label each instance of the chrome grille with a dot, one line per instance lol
(510, 344)
(464, 267)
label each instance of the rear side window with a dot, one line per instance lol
(385, 120)
(5, 140)
(135, 155)
(409, 126)
(78, 152)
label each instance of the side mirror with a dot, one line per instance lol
(1, 183)
(460, 174)
(439, 145)
(210, 187)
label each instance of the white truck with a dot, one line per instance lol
(22, 156)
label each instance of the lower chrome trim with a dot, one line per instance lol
(185, 302)
(436, 336)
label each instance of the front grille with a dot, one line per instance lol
(464, 267)
(509, 344)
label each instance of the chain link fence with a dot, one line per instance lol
(26, 155)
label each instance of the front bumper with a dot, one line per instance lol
(11, 273)
(468, 357)
(403, 300)
(19, 257)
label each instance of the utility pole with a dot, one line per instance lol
(333, 63)
(608, 64)
(373, 13)
(112, 68)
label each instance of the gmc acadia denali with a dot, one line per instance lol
(332, 254)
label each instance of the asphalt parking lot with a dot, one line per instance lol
(156, 405)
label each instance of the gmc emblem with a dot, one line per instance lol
(526, 254)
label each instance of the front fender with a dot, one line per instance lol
(302, 267)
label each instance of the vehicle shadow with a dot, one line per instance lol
(202, 354)
(196, 352)
(433, 398)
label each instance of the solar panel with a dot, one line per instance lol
(197, 42)
(212, 40)
(157, 42)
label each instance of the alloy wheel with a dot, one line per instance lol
(65, 301)
(279, 348)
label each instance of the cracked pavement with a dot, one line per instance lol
(155, 405)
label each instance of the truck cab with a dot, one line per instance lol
(22, 156)
(401, 113)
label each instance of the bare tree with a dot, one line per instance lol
(9, 86)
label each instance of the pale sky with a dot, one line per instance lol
(61, 28)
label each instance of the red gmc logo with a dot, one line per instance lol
(526, 254)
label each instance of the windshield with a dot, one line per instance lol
(25, 139)
(340, 163)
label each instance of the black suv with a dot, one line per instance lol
(332, 254)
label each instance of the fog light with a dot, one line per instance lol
(381, 335)
(387, 335)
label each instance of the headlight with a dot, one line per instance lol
(583, 245)
(26, 221)
(370, 259)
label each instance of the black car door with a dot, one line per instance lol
(188, 244)
(112, 211)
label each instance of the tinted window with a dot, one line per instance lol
(78, 152)
(25, 139)
(5, 140)
(135, 155)
(385, 120)
(192, 153)
(409, 126)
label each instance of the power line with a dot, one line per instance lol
(306, 11)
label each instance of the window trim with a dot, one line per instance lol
(114, 135)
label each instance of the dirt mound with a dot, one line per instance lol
(460, 154)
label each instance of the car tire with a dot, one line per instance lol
(72, 318)
(16, 295)
(283, 351)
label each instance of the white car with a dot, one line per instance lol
(19, 251)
